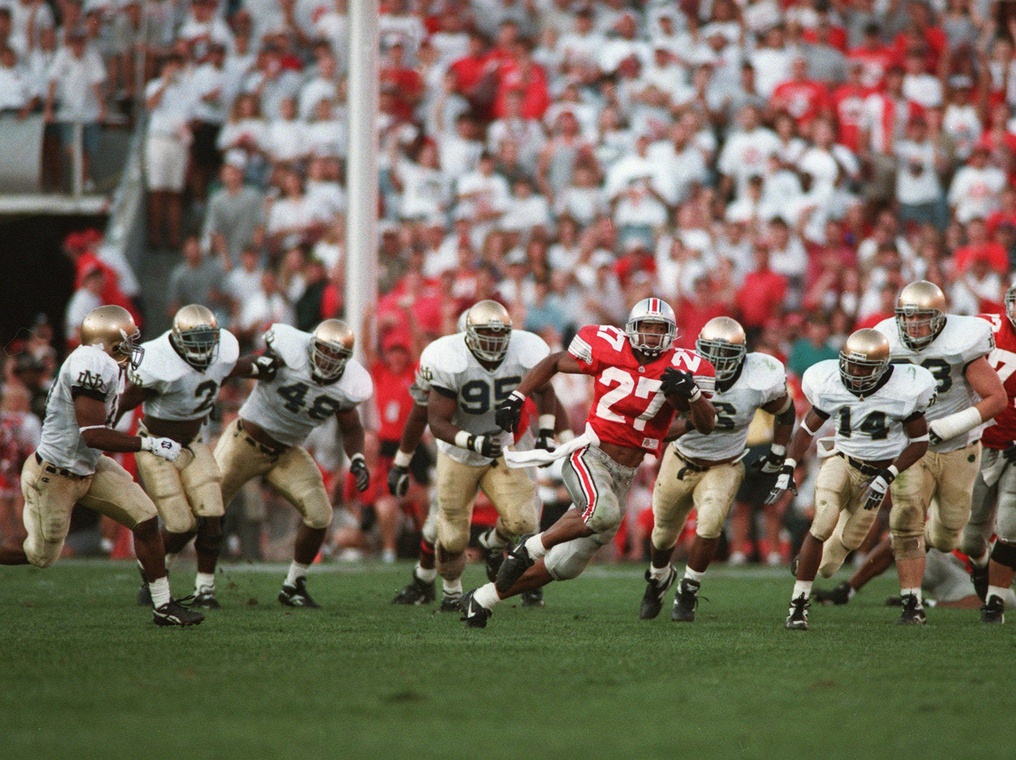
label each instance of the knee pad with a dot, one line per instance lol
(1004, 553)
(519, 523)
(43, 555)
(941, 537)
(450, 564)
(908, 545)
(568, 560)
(179, 520)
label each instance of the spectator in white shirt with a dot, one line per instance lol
(324, 86)
(976, 187)
(285, 138)
(583, 200)
(484, 194)
(918, 188)
(425, 189)
(15, 96)
(527, 212)
(679, 165)
(746, 152)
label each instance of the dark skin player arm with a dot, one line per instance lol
(91, 413)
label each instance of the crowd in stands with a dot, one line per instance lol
(792, 164)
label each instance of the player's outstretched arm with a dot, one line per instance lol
(536, 381)
(917, 431)
(813, 420)
(783, 426)
(352, 444)
(440, 411)
(132, 396)
(258, 366)
(398, 474)
(91, 417)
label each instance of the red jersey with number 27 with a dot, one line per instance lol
(1003, 360)
(628, 408)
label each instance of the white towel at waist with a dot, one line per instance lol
(539, 457)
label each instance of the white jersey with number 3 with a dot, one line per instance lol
(763, 379)
(293, 404)
(870, 429)
(183, 392)
(448, 364)
(962, 340)
(90, 372)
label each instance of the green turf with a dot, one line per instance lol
(85, 674)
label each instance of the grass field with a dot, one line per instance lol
(85, 674)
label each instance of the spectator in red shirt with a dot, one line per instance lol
(875, 57)
(848, 106)
(1004, 215)
(921, 33)
(760, 298)
(474, 73)
(407, 83)
(801, 97)
(521, 73)
(979, 246)
(694, 312)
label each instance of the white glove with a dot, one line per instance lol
(166, 448)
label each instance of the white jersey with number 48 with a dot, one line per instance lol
(183, 392)
(449, 365)
(763, 379)
(293, 404)
(962, 340)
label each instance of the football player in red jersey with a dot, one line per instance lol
(640, 382)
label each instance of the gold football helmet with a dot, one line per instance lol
(864, 359)
(330, 348)
(195, 335)
(1010, 304)
(723, 343)
(112, 329)
(488, 330)
(920, 314)
(651, 311)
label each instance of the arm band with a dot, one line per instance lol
(958, 423)
(778, 449)
(791, 462)
(806, 429)
(402, 459)
(894, 470)
(462, 439)
(920, 438)
(357, 457)
(547, 421)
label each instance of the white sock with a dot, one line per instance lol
(451, 588)
(170, 559)
(160, 592)
(486, 596)
(802, 587)
(427, 575)
(912, 591)
(996, 591)
(851, 591)
(296, 572)
(982, 561)
(491, 540)
(659, 573)
(693, 575)
(205, 581)
(534, 544)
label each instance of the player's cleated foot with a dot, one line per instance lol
(474, 615)
(838, 595)
(493, 556)
(416, 593)
(993, 610)
(204, 599)
(685, 601)
(174, 613)
(514, 565)
(652, 600)
(297, 596)
(533, 597)
(979, 577)
(913, 612)
(797, 617)
(451, 602)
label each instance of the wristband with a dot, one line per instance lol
(791, 462)
(893, 470)
(516, 395)
(921, 438)
(547, 421)
(778, 449)
(357, 457)
(402, 459)
(695, 396)
(462, 439)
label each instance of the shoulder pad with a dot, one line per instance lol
(161, 363)
(762, 371)
(530, 347)
(229, 347)
(289, 344)
(447, 353)
(93, 369)
(356, 382)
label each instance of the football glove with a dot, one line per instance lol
(545, 440)
(784, 482)
(487, 444)
(164, 448)
(398, 480)
(680, 383)
(507, 415)
(769, 463)
(877, 488)
(265, 367)
(358, 467)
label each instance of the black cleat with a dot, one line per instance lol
(913, 612)
(451, 602)
(838, 595)
(416, 593)
(993, 610)
(685, 601)
(205, 600)
(174, 613)
(514, 565)
(979, 577)
(797, 617)
(474, 615)
(533, 597)
(493, 556)
(297, 596)
(652, 600)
